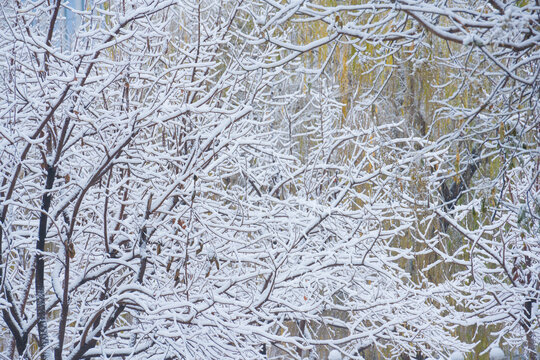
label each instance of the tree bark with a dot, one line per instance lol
(40, 264)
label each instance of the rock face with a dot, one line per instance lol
(457, 356)
(334, 355)
(496, 354)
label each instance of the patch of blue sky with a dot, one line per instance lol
(72, 20)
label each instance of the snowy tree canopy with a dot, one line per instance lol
(326, 179)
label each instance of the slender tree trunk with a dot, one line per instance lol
(531, 346)
(40, 265)
(528, 306)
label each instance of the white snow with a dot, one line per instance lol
(496, 353)
(457, 356)
(334, 355)
(467, 40)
